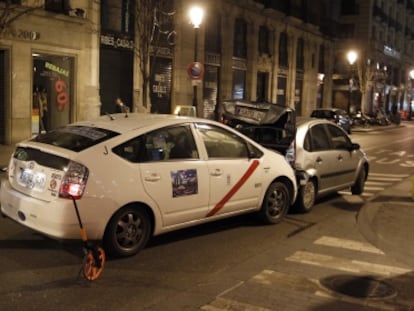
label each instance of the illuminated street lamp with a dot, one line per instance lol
(351, 57)
(411, 94)
(196, 16)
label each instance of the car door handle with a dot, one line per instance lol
(153, 177)
(216, 172)
(319, 160)
(339, 157)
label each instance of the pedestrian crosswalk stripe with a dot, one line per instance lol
(389, 175)
(367, 188)
(223, 304)
(376, 183)
(384, 179)
(344, 264)
(348, 244)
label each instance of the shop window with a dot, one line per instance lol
(261, 87)
(239, 84)
(240, 34)
(321, 65)
(212, 34)
(283, 50)
(210, 91)
(52, 92)
(263, 40)
(349, 7)
(300, 58)
(58, 6)
(117, 15)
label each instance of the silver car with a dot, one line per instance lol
(332, 162)
(322, 154)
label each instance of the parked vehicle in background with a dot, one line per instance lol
(323, 156)
(336, 115)
(138, 175)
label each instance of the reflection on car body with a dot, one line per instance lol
(139, 175)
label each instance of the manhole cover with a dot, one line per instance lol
(359, 286)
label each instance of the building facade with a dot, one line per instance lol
(251, 50)
(68, 60)
(382, 34)
(49, 66)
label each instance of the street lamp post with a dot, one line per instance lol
(351, 57)
(196, 16)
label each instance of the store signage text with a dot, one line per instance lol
(57, 69)
(24, 34)
(62, 96)
(116, 42)
(160, 87)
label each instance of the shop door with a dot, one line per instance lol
(116, 78)
(160, 85)
(52, 91)
(210, 92)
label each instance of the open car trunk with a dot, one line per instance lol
(271, 125)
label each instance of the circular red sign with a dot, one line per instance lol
(195, 70)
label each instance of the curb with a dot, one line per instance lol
(386, 221)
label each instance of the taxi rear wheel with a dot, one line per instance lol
(127, 232)
(275, 203)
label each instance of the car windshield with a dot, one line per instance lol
(75, 138)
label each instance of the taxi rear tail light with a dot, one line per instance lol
(74, 181)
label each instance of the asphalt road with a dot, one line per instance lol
(304, 263)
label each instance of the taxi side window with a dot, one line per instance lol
(164, 144)
(222, 144)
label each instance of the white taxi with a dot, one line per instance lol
(139, 175)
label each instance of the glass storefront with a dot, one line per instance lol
(52, 91)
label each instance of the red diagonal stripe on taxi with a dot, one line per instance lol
(235, 188)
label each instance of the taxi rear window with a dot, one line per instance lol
(75, 138)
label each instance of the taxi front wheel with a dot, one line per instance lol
(127, 232)
(275, 203)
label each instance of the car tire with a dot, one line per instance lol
(306, 197)
(275, 204)
(127, 232)
(358, 186)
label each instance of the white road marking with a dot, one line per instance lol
(373, 188)
(344, 264)
(222, 304)
(348, 244)
(389, 175)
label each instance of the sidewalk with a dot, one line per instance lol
(387, 221)
(370, 128)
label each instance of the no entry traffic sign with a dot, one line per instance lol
(195, 70)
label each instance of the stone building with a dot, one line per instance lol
(252, 50)
(381, 32)
(68, 60)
